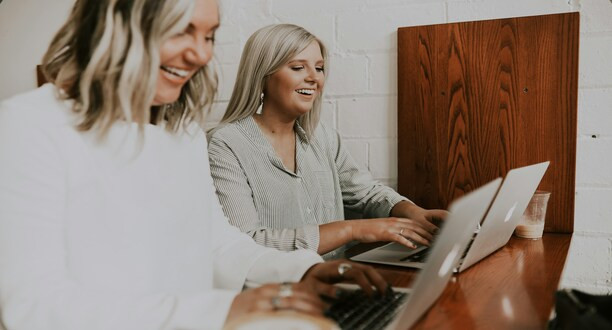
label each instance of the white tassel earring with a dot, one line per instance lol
(260, 108)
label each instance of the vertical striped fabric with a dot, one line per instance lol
(282, 209)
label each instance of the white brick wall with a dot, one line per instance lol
(361, 90)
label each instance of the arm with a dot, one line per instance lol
(236, 197)
(360, 192)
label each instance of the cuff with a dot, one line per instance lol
(307, 237)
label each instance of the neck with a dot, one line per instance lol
(275, 125)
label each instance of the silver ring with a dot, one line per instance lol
(343, 268)
(285, 290)
(276, 302)
(401, 232)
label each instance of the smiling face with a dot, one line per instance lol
(292, 90)
(184, 54)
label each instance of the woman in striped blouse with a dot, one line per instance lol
(283, 177)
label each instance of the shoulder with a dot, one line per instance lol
(233, 135)
(325, 136)
(40, 107)
(34, 125)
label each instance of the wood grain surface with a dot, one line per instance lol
(513, 288)
(476, 99)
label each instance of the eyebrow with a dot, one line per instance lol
(213, 28)
(304, 61)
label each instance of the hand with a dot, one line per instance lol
(270, 297)
(320, 277)
(409, 210)
(401, 230)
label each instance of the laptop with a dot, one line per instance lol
(492, 233)
(403, 307)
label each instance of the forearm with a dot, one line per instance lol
(335, 234)
(403, 209)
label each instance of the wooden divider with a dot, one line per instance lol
(476, 99)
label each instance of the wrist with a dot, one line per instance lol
(404, 209)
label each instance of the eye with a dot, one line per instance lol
(297, 67)
(210, 38)
(320, 69)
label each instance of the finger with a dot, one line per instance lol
(415, 237)
(421, 222)
(419, 231)
(375, 278)
(326, 290)
(403, 241)
(426, 224)
(303, 305)
(438, 214)
(357, 275)
(309, 297)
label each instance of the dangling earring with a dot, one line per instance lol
(260, 108)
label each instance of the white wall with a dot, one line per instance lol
(361, 88)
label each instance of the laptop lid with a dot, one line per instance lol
(455, 234)
(505, 212)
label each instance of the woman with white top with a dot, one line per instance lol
(108, 214)
(283, 177)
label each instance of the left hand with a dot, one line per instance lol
(405, 209)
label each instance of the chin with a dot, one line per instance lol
(166, 98)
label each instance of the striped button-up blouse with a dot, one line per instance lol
(282, 209)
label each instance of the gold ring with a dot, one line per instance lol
(285, 290)
(343, 268)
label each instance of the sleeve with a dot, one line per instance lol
(36, 289)
(360, 192)
(236, 197)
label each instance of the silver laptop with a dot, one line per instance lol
(453, 239)
(503, 216)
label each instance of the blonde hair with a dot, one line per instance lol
(264, 53)
(106, 58)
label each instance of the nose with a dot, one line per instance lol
(200, 52)
(312, 76)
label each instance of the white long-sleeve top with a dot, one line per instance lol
(123, 233)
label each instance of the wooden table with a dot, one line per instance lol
(512, 288)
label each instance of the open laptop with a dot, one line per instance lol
(411, 304)
(503, 216)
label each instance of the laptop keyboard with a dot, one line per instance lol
(418, 257)
(355, 310)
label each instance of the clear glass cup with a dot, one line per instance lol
(532, 221)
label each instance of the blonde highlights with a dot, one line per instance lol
(106, 59)
(264, 53)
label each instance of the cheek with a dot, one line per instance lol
(169, 50)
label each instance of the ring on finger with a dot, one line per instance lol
(401, 232)
(285, 290)
(276, 303)
(343, 268)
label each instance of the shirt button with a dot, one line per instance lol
(308, 210)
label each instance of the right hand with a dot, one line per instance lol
(322, 276)
(389, 229)
(261, 299)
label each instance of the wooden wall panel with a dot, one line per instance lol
(476, 99)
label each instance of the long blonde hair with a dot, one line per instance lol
(264, 53)
(106, 58)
